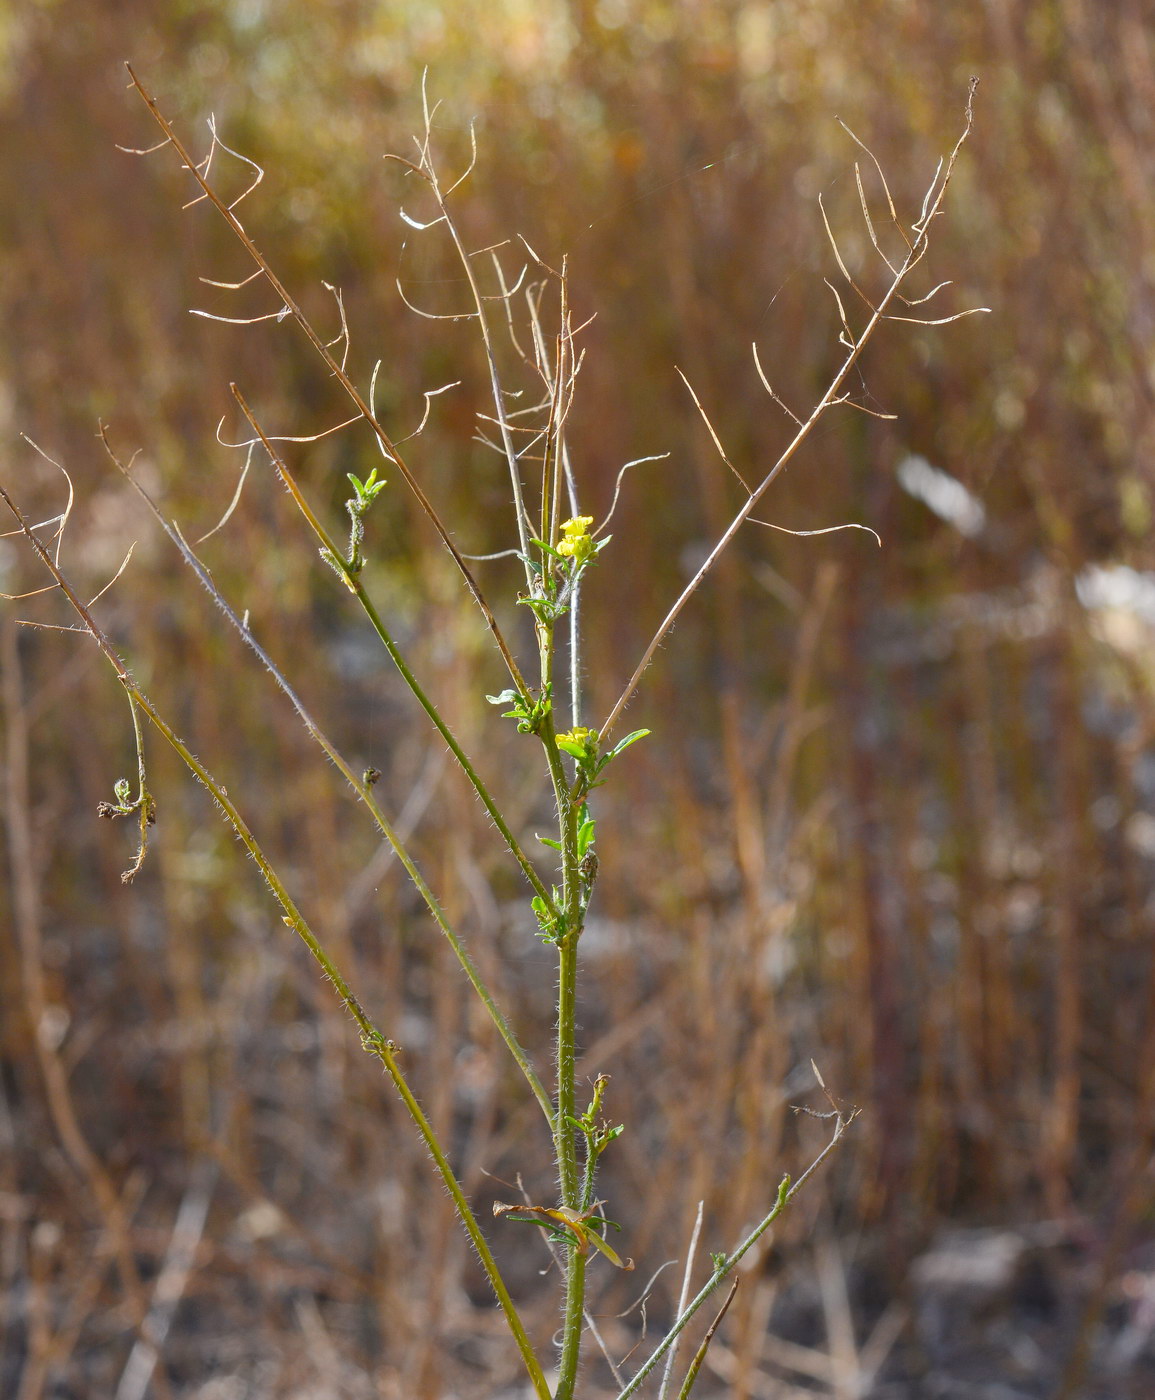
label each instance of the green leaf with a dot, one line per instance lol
(611, 1254)
(573, 747)
(628, 740)
(548, 549)
(553, 845)
(505, 698)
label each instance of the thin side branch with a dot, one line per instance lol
(357, 782)
(710, 429)
(787, 1190)
(294, 309)
(372, 1039)
(932, 204)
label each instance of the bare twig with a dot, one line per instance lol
(787, 1190)
(700, 1354)
(932, 204)
(294, 310)
(683, 1297)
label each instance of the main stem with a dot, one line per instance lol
(565, 1143)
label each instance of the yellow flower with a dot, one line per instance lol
(575, 542)
(581, 735)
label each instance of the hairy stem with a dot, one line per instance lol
(357, 588)
(363, 790)
(787, 1190)
(372, 1039)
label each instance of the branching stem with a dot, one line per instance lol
(932, 205)
(372, 1039)
(338, 373)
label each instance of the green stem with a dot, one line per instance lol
(363, 791)
(787, 1190)
(566, 1149)
(355, 586)
(572, 1324)
(455, 748)
(371, 1038)
(565, 1144)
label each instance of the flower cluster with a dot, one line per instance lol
(576, 542)
(581, 736)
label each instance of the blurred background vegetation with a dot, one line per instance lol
(898, 814)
